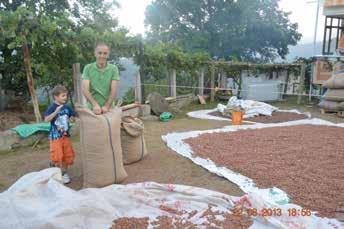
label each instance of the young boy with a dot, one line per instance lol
(59, 115)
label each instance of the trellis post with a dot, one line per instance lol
(212, 82)
(173, 83)
(138, 93)
(285, 90)
(201, 82)
(223, 80)
(301, 87)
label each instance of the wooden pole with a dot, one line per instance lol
(173, 83)
(301, 83)
(240, 85)
(201, 82)
(0, 84)
(142, 86)
(212, 83)
(2, 106)
(141, 71)
(30, 83)
(77, 81)
(285, 90)
(168, 73)
(76, 96)
(223, 80)
(138, 94)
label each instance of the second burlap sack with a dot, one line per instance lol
(101, 149)
(132, 140)
(335, 82)
(331, 106)
(336, 95)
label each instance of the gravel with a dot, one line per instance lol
(306, 161)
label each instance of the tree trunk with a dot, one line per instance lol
(27, 63)
(79, 98)
(48, 95)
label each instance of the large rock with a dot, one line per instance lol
(145, 110)
(134, 112)
(150, 118)
(158, 103)
(10, 140)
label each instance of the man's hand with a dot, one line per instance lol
(105, 109)
(97, 110)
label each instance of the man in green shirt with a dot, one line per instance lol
(100, 81)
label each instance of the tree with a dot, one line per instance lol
(247, 29)
(52, 35)
(23, 28)
(12, 65)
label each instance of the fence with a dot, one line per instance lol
(172, 86)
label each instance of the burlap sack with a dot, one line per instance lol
(336, 95)
(101, 147)
(335, 82)
(132, 139)
(331, 105)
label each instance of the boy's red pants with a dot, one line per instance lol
(61, 151)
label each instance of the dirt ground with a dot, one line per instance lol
(161, 165)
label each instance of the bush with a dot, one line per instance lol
(129, 97)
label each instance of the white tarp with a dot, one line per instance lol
(252, 108)
(273, 195)
(39, 200)
(204, 114)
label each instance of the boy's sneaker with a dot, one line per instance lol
(65, 178)
(51, 164)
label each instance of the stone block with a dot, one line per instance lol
(145, 110)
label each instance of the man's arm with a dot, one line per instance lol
(87, 94)
(114, 84)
